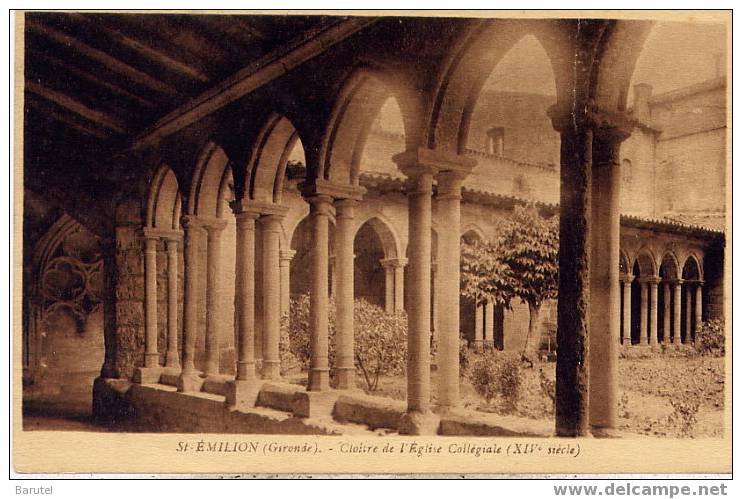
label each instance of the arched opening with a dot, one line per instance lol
(666, 305)
(369, 276)
(643, 271)
(691, 283)
(386, 138)
(300, 269)
(471, 314)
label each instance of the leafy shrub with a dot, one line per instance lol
(685, 407)
(710, 338)
(380, 339)
(464, 357)
(497, 374)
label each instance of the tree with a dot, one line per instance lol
(529, 250)
(483, 276)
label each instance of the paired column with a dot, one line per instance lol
(479, 327)
(344, 301)
(605, 286)
(271, 235)
(190, 379)
(394, 283)
(666, 311)
(676, 316)
(285, 257)
(151, 355)
(214, 228)
(643, 311)
(626, 279)
(653, 305)
(688, 313)
(489, 324)
(172, 358)
(245, 295)
(699, 306)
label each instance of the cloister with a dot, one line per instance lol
(255, 190)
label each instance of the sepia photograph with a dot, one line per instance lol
(372, 242)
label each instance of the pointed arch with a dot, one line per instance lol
(473, 229)
(647, 263)
(208, 181)
(384, 229)
(692, 269)
(624, 262)
(266, 166)
(669, 268)
(163, 200)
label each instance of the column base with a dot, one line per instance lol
(319, 380)
(602, 432)
(346, 378)
(271, 370)
(314, 404)
(190, 382)
(172, 360)
(419, 423)
(151, 360)
(147, 375)
(242, 392)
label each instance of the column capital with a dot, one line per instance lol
(189, 222)
(651, 280)
(150, 233)
(450, 182)
(333, 190)
(320, 204)
(213, 224)
(344, 208)
(286, 255)
(608, 126)
(626, 278)
(257, 208)
(422, 160)
(677, 282)
(393, 263)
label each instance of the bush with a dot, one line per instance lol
(497, 374)
(464, 357)
(380, 339)
(710, 338)
(685, 407)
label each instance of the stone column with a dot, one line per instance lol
(627, 310)
(479, 327)
(572, 398)
(151, 355)
(677, 311)
(699, 306)
(643, 312)
(319, 370)
(688, 313)
(389, 290)
(285, 257)
(605, 285)
(418, 419)
(653, 304)
(448, 201)
(271, 234)
(667, 295)
(190, 379)
(344, 301)
(435, 326)
(489, 324)
(172, 358)
(399, 284)
(214, 230)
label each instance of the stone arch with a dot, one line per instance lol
(646, 263)
(624, 262)
(210, 179)
(163, 200)
(358, 103)
(469, 64)
(387, 235)
(692, 269)
(266, 167)
(300, 241)
(472, 230)
(669, 268)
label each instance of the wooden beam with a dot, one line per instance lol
(76, 107)
(148, 52)
(257, 74)
(97, 55)
(47, 109)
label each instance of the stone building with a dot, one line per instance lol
(186, 175)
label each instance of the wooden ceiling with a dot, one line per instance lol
(93, 81)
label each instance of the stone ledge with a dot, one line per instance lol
(374, 412)
(470, 423)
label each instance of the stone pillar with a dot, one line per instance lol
(418, 419)
(699, 307)
(605, 285)
(435, 286)
(653, 304)
(271, 234)
(244, 388)
(448, 201)
(643, 312)
(333, 275)
(627, 310)
(572, 380)
(399, 284)
(667, 296)
(344, 301)
(214, 230)
(489, 324)
(389, 288)
(479, 327)
(172, 358)
(319, 370)
(688, 313)
(677, 311)
(151, 356)
(285, 263)
(190, 379)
